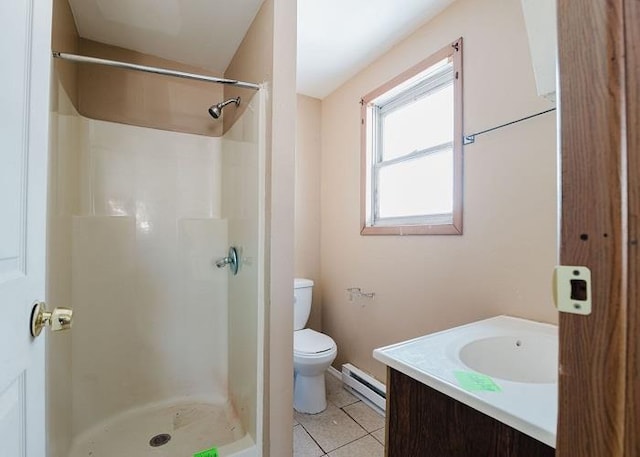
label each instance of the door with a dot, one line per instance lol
(632, 65)
(599, 408)
(25, 56)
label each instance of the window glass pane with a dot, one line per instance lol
(417, 187)
(419, 125)
(428, 74)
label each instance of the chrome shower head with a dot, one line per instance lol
(216, 110)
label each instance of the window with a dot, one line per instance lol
(412, 150)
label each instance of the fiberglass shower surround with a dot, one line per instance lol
(161, 362)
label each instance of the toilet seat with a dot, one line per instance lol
(309, 342)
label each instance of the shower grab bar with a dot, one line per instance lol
(156, 70)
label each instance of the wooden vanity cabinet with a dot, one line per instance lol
(422, 422)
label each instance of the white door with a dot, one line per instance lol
(25, 61)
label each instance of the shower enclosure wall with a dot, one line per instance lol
(163, 343)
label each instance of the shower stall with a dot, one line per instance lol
(165, 355)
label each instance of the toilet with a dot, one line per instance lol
(313, 352)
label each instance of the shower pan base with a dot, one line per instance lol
(192, 426)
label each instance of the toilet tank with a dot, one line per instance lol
(302, 292)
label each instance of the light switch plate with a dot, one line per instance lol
(572, 289)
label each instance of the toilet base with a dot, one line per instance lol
(309, 394)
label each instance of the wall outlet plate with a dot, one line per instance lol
(572, 289)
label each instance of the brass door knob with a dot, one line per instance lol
(58, 319)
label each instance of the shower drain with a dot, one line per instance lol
(159, 440)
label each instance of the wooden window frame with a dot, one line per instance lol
(452, 51)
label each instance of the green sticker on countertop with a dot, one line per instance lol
(471, 381)
(213, 452)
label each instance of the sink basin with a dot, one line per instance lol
(518, 355)
(514, 358)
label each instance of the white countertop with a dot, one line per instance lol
(433, 359)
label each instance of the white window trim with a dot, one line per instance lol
(415, 225)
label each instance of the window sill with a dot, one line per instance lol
(442, 229)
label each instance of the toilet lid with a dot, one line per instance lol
(311, 342)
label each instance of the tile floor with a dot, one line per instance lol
(347, 428)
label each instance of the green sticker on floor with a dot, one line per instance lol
(476, 382)
(213, 452)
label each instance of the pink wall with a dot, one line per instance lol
(502, 264)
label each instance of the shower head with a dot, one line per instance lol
(216, 110)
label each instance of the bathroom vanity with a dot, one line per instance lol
(423, 421)
(487, 389)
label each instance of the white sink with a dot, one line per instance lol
(518, 358)
(530, 359)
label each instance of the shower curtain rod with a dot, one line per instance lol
(156, 70)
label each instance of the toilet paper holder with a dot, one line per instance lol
(356, 292)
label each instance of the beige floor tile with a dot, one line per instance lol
(303, 444)
(331, 428)
(336, 393)
(295, 421)
(364, 447)
(365, 416)
(379, 435)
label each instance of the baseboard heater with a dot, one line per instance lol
(364, 386)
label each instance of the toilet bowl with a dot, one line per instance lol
(313, 352)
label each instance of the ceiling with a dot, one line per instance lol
(336, 38)
(339, 38)
(204, 33)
